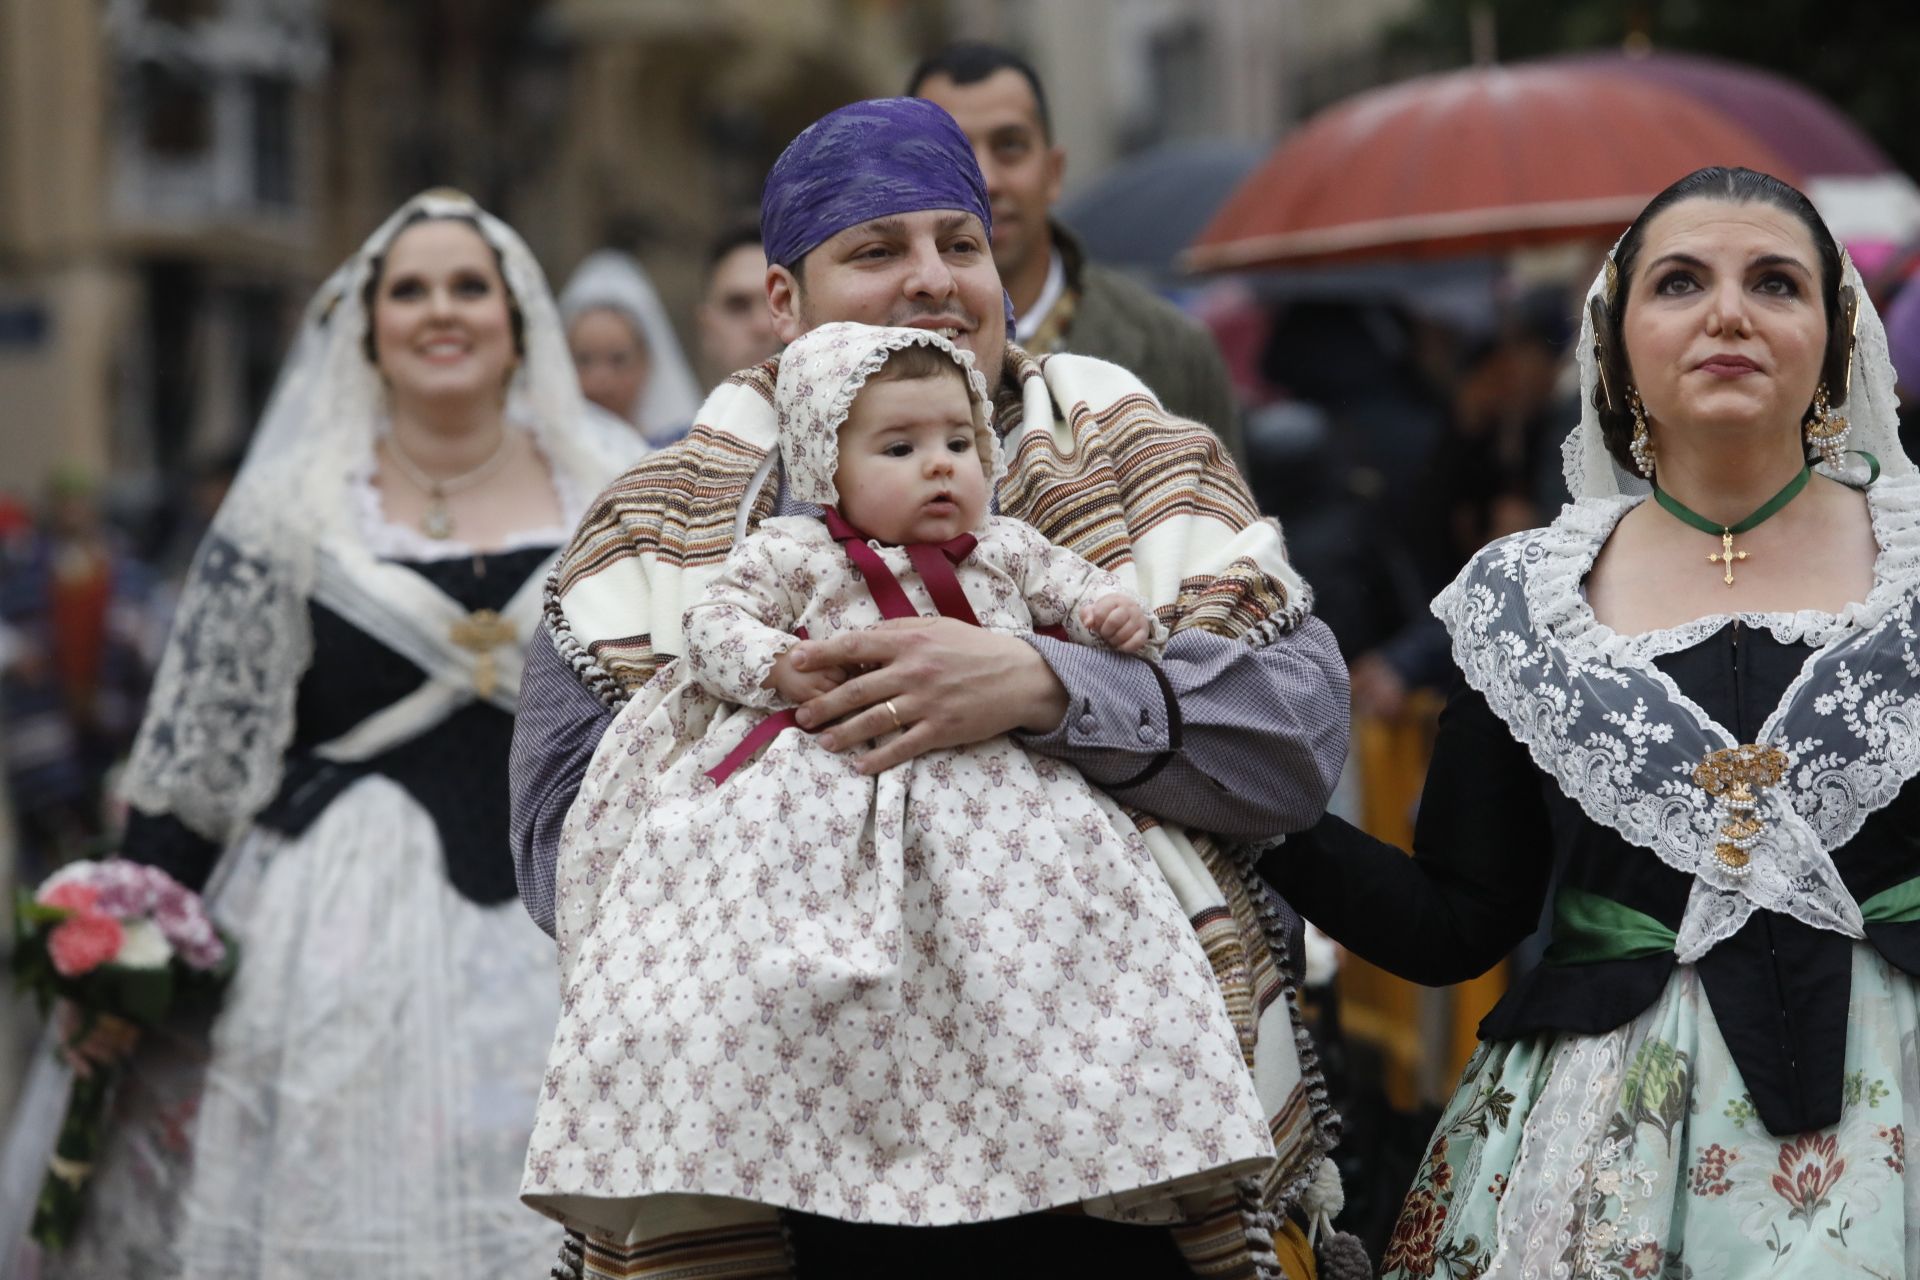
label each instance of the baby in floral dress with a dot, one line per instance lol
(958, 990)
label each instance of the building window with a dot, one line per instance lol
(273, 159)
(182, 13)
(176, 114)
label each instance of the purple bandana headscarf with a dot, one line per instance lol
(869, 160)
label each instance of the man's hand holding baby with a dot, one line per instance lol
(936, 672)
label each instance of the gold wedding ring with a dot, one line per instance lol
(892, 711)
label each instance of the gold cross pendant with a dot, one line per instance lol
(480, 633)
(1726, 555)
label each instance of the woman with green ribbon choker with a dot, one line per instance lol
(1695, 719)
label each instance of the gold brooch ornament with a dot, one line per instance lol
(1734, 776)
(481, 633)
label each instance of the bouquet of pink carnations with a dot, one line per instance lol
(116, 939)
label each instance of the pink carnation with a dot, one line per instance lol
(128, 890)
(71, 896)
(84, 943)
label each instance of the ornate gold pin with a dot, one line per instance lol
(1734, 776)
(480, 633)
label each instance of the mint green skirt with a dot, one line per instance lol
(1637, 1155)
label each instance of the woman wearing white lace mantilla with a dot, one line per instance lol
(625, 349)
(325, 752)
(1695, 717)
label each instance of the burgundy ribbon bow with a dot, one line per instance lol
(933, 561)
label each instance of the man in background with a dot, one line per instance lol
(1061, 301)
(735, 326)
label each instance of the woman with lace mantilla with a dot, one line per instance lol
(325, 753)
(1694, 718)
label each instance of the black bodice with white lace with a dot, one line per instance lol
(1493, 834)
(456, 770)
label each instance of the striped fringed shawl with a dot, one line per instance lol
(1097, 466)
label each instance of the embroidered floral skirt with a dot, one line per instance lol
(1638, 1154)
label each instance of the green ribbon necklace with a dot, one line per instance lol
(1727, 532)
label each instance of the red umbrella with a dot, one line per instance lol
(1473, 161)
(1867, 202)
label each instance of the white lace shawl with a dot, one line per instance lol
(221, 711)
(1621, 739)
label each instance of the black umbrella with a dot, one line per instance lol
(1143, 212)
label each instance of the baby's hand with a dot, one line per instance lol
(797, 686)
(1120, 621)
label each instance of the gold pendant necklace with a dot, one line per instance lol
(1726, 555)
(437, 520)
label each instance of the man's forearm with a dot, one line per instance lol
(1249, 745)
(554, 736)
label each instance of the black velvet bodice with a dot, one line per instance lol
(456, 770)
(1491, 831)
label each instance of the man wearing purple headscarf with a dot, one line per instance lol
(877, 213)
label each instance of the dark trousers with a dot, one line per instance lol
(1042, 1246)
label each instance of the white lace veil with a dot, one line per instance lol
(613, 281)
(1871, 405)
(221, 711)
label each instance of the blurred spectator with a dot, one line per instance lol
(77, 609)
(1061, 301)
(736, 328)
(1380, 373)
(1482, 481)
(1903, 343)
(1339, 458)
(625, 350)
(205, 490)
(1336, 528)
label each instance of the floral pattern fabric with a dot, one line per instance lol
(1638, 1155)
(959, 990)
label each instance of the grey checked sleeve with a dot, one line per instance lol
(554, 736)
(1223, 737)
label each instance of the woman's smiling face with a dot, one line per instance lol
(441, 321)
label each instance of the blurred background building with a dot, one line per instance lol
(176, 175)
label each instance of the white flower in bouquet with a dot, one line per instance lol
(144, 946)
